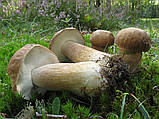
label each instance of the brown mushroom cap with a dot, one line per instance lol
(21, 64)
(102, 38)
(133, 40)
(103, 49)
(61, 37)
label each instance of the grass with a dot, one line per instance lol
(121, 105)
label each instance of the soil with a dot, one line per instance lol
(115, 71)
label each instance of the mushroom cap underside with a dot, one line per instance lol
(21, 64)
(61, 37)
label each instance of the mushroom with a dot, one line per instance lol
(23, 62)
(101, 40)
(82, 78)
(35, 68)
(69, 44)
(132, 42)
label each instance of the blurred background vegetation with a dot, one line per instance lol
(82, 14)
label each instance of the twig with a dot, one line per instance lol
(51, 116)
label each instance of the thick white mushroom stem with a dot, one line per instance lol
(80, 53)
(83, 79)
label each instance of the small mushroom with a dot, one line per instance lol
(69, 44)
(101, 40)
(132, 42)
(23, 62)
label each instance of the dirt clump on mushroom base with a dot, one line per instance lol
(116, 72)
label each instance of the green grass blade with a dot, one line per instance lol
(112, 116)
(56, 106)
(43, 114)
(142, 108)
(122, 107)
(1, 117)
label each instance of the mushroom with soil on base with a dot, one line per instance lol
(23, 62)
(82, 78)
(69, 44)
(132, 42)
(35, 66)
(101, 40)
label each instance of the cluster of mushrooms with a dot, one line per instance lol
(69, 65)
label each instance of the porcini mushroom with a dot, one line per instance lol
(83, 78)
(101, 40)
(132, 42)
(69, 44)
(36, 66)
(23, 62)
